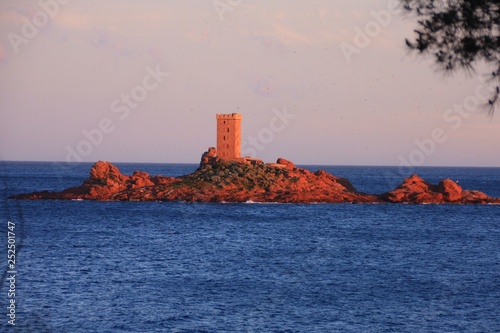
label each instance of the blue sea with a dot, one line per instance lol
(183, 267)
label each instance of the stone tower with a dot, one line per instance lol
(229, 136)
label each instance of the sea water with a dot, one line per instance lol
(86, 266)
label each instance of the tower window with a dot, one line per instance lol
(228, 129)
(224, 138)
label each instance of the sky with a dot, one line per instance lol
(317, 82)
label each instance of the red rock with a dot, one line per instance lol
(476, 197)
(286, 163)
(162, 180)
(105, 170)
(451, 191)
(416, 190)
(413, 190)
(141, 179)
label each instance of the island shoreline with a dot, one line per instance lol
(218, 180)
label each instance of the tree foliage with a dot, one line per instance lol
(459, 34)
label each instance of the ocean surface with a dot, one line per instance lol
(182, 267)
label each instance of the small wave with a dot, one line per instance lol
(262, 203)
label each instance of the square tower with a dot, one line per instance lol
(229, 136)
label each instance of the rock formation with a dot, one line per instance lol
(416, 190)
(220, 180)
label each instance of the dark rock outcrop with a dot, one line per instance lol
(209, 157)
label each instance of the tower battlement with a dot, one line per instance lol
(229, 116)
(229, 136)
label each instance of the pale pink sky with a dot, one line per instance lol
(383, 106)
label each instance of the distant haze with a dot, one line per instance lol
(317, 82)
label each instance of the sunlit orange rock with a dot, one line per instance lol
(286, 163)
(451, 191)
(106, 171)
(415, 190)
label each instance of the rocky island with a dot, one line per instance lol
(225, 176)
(220, 180)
